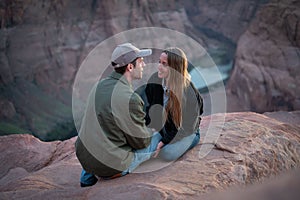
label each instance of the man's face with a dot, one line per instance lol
(137, 72)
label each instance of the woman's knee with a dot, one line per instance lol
(195, 141)
(168, 156)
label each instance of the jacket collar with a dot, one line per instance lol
(120, 77)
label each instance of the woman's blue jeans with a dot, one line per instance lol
(169, 152)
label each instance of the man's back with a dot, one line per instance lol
(114, 114)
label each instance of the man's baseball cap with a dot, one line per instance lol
(126, 53)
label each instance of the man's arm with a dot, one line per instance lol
(141, 139)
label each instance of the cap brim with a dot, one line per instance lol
(144, 52)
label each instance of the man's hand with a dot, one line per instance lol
(158, 148)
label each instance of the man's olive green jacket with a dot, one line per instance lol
(112, 127)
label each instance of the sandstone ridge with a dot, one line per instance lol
(250, 148)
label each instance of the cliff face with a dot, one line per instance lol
(40, 36)
(42, 44)
(226, 19)
(266, 74)
(251, 148)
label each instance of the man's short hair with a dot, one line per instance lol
(122, 69)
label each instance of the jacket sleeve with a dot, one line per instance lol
(153, 106)
(142, 139)
(193, 108)
(199, 99)
(168, 132)
(148, 103)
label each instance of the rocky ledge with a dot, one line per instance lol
(251, 148)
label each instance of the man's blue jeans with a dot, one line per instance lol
(169, 152)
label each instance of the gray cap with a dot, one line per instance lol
(126, 53)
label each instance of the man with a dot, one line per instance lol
(113, 139)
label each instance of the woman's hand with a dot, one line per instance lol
(158, 148)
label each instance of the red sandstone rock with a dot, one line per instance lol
(251, 148)
(266, 74)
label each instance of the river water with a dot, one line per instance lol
(205, 78)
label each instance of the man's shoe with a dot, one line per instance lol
(93, 182)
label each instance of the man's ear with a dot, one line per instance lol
(130, 67)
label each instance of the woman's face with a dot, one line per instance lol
(163, 68)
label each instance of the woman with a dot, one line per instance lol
(178, 123)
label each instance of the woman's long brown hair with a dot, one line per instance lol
(178, 81)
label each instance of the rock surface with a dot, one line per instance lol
(266, 74)
(292, 117)
(250, 148)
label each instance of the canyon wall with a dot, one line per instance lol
(43, 43)
(266, 75)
